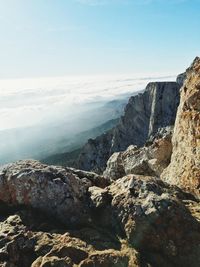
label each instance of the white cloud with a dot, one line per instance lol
(25, 102)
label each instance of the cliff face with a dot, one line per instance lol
(151, 159)
(184, 169)
(56, 216)
(144, 114)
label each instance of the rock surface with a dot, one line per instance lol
(56, 216)
(144, 114)
(135, 221)
(48, 188)
(28, 239)
(152, 216)
(184, 169)
(151, 159)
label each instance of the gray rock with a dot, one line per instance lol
(152, 216)
(50, 189)
(148, 160)
(181, 78)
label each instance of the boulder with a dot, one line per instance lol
(50, 189)
(152, 216)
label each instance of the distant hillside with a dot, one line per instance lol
(43, 140)
(68, 158)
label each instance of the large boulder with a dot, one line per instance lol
(184, 169)
(152, 216)
(53, 190)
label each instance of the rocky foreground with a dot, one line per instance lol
(143, 211)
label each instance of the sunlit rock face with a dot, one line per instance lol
(144, 114)
(184, 169)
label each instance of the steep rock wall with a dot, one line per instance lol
(184, 169)
(144, 114)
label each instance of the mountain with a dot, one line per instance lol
(144, 114)
(143, 211)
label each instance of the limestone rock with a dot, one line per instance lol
(144, 114)
(100, 197)
(152, 216)
(135, 221)
(24, 242)
(151, 159)
(181, 78)
(95, 179)
(50, 189)
(184, 169)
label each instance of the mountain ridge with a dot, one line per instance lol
(144, 114)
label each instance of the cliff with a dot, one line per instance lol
(184, 169)
(129, 217)
(144, 114)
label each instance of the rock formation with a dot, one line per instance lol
(184, 169)
(144, 114)
(64, 217)
(137, 221)
(50, 189)
(152, 217)
(151, 159)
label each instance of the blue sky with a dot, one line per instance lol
(88, 37)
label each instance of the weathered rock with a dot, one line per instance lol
(107, 259)
(148, 160)
(184, 169)
(95, 179)
(50, 189)
(115, 166)
(152, 216)
(100, 197)
(181, 78)
(52, 261)
(144, 114)
(23, 244)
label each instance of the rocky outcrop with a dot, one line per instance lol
(135, 221)
(144, 114)
(56, 216)
(49, 189)
(184, 169)
(181, 78)
(151, 159)
(29, 239)
(152, 216)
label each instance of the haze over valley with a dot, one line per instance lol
(46, 115)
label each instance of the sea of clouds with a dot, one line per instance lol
(29, 102)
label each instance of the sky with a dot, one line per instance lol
(45, 38)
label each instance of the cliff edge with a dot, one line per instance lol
(184, 169)
(144, 114)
